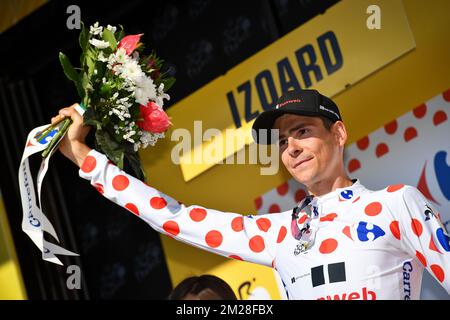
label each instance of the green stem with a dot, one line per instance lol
(43, 133)
(65, 125)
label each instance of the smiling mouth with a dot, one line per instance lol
(300, 162)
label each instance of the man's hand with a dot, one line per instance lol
(73, 144)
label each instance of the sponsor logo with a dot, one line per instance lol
(429, 213)
(287, 102)
(407, 269)
(443, 239)
(294, 279)
(336, 273)
(364, 231)
(330, 111)
(364, 294)
(347, 194)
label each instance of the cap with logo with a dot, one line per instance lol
(300, 102)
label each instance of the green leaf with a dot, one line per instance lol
(69, 71)
(105, 90)
(135, 164)
(84, 37)
(109, 36)
(121, 33)
(108, 146)
(71, 74)
(168, 83)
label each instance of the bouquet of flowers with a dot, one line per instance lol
(122, 92)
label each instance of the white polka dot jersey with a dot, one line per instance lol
(352, 243)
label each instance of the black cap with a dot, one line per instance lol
(301, 102)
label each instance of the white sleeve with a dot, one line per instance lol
(424, 235)
(248, 238)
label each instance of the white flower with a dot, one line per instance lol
(121, 56)
(95, 29)
(101, 57)
(145, 90)
(111, 28)
(159, 100)
(131, 70)
(99, 43)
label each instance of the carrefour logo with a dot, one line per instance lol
(443, 238)
(365, 229)
(347, 194)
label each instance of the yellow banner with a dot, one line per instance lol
(329, 53)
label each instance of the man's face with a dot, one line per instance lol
(309, 151)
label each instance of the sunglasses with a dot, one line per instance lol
(305, 235)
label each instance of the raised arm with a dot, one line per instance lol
(249, 238)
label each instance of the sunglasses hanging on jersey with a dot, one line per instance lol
(305, 235)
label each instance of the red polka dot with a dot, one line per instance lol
(300, 195)
(214, 238)
(353, 165)
(235, 257)
(274, 208)
(373, 209)
(439, 117)
(420, 111)
(356, 199)
(446, 95)
(283, 189)
(120, 182)
(329, 217)
(171, 227)
(256, 244)
(263, 224)
(302, 219)
(99, 187)
(158, 203)
(416, 227)
(363, 143)
(346, 231)
(258, 203)
(433, 246)
(395, 229)
(132, 208)
(89, 164)
(381, 150)
(421, 258)
(273, 264)
(281, 234)
(410, 133)
(328, 246)
(394, 187)
(197, 214)
(438, 272)
(391, 127)
(237, 224)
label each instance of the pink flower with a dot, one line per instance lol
(129, 43)
(155, 119)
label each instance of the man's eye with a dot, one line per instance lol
(282, 142)
(303, 131)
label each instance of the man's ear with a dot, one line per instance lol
(340, 132)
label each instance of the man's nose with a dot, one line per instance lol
(293, 148)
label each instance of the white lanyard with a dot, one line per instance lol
(34, 221)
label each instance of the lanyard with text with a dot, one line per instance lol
(34, 221)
